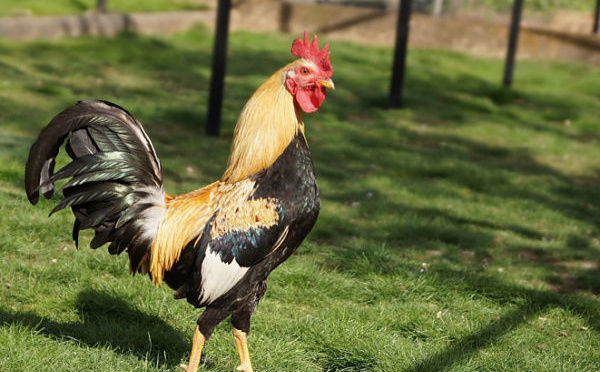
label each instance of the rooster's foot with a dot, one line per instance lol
(245, 368)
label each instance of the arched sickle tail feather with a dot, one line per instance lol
(114, 180)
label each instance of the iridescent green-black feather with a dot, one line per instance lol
(114, 180)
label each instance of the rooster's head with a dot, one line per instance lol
(310, 76)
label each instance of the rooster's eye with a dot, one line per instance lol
(304, 71)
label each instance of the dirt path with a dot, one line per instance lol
(564, 38)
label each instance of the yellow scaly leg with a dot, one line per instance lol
(242, 348)
(196, 354)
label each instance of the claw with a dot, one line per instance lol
(184, 367)
(203, 361)
(245, 368)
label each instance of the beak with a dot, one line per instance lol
(327, 83)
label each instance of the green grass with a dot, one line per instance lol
(531, 5)
(459, 234)
(65, 7)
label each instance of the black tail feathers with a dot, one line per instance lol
(115, 178)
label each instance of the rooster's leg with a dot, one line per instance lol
(197, 346)
(242, 348)
(241, 326)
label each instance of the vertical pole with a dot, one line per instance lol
(399, 63)
(438, 6)
(101, 5)
(513, 37)
(596, 16)
(217, 79)
(285, 16)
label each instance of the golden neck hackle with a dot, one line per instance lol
(267, 124)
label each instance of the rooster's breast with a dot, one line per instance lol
(236, 253)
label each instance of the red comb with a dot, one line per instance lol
(310, 51)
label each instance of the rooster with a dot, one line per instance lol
(214, 246)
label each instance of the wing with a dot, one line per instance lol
(182, 224)
(245, 232)
(221, 219)
(241, 232)
(228, 258)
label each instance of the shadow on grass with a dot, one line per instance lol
(109, 321)
(532, 303)
(485, 170)
(380, 147)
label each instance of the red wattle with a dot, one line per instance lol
(310, 99)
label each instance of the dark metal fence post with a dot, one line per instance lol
(399, 63)
(596, 16)
(217, 79)
(285, 16)
(101, 5)
(513, 37)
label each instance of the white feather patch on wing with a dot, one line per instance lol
(218, 277)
